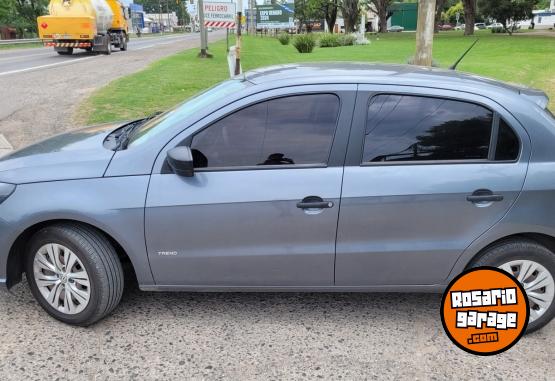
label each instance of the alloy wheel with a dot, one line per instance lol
(61, 278)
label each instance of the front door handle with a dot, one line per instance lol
(314, 202)
(484, 195)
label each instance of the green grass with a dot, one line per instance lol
(518, 59)
(21, 46)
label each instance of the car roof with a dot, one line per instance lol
(393, 74)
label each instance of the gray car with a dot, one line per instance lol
(314, 177)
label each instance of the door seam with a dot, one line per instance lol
(341, 188)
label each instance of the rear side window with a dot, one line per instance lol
(283, 131)
(507, 143)
(415, 128)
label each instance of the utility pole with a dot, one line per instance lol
(160, 16)
(238, 43)
(252, 16)
(203, 36)
(425, 32)
(168, 13)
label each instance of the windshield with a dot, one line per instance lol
(189, 107)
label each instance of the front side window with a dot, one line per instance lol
(416, 128)
(188, 108)
(283, 131)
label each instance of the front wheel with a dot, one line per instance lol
(123, 44)
(533, 265)
(74, 273)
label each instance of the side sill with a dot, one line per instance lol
(436, 288)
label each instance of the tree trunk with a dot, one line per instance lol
(382, 16)
(469, 17)
(350, 15)
(425, 32)
(439, 9)
(331, 17)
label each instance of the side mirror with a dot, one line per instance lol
(180, 160)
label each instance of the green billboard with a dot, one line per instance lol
(277, 16)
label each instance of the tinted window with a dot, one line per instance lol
(189, 107)
(412, 128)
(507, 143)
(291, 130)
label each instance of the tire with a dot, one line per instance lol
(65, 52)
(123, 44)
(108, 48)
(523, 250)
(95, 255)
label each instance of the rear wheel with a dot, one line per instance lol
(533, 265)
(64, 51)
(74, 273)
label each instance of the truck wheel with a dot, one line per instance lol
(64, 51)
(74, 273)
(123, 44)
(108, 48)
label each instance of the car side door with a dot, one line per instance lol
(261, 209)
(427, 172)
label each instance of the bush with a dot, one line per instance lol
(328, 40)
(304, 43)
(347, 40)
(284, 38)
(497, 30)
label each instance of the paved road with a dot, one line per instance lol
(41, 90)
(13, 61)
(266, 336)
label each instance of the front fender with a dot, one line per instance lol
(113, 205)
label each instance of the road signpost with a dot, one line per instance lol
(203, 37)
(221, 15)
(238, 43)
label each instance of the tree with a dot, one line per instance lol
(440, 5)
(469, 17)
(351, 13)
(29, 10)
(329, 9)
(153, 6)
(425, 32)
(505, 11)
(381, 8)
(22, 14)
(450, 15)
(304, 11)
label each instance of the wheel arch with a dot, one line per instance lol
(543, 239)
(16, 255)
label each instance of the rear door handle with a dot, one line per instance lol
(484, 195)
(314, 202)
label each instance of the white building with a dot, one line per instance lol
(168, 21)
(544, 19)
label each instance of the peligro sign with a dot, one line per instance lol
(219, 15)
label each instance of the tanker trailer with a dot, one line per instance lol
(93, 25)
